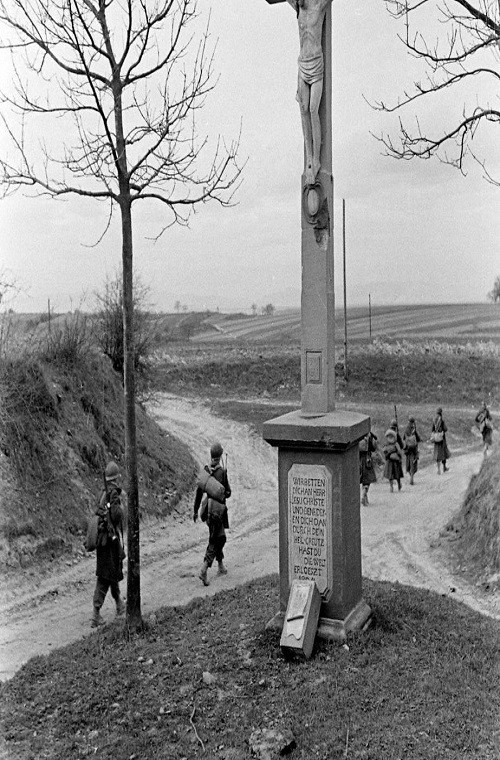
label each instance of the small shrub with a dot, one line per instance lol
(108, 326)
(13, 530)
(27, 412)
(68, 343)
(94, 455)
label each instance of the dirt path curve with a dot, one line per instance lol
(397, 530)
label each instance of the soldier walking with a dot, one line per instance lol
(393, 454)
(438, 437)
(367, 446)
(411, 439)
(109, 550)
(214, 513)
(483, 419)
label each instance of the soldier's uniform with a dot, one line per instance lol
(109, 549)
(214, 513)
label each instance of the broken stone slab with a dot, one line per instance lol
(271, 743)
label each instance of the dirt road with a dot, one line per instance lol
(42, 613)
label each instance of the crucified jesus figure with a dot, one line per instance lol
(310, 15)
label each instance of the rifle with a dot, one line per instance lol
(396, 417)
(105, 488)
(225, 474)
(109, 525)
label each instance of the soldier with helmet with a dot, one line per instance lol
(483, 419)
(214, 513)
(109, 550)
(393, 454)
(367, 446)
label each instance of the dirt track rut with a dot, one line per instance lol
(397, 532)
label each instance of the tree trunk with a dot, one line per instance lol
(134, 617)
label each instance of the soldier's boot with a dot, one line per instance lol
(97, 620)
(222, 569)
(120, 607)
(391, 485)
(364, 498)
(439, 469)
(411, 479)
(202, 575)
(399, 485)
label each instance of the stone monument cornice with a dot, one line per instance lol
(335, 430)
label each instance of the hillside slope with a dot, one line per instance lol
(476, 527)
(59, 425)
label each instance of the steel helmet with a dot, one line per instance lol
(112, 471)
(216, 450)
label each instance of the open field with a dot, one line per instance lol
(444, 322)
(450, 322)
(400, 372)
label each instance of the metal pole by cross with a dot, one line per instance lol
(346, 371)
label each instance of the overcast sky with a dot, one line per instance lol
(417, 232)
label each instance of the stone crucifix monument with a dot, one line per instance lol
(318, 461)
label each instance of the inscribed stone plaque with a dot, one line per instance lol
(310, 525)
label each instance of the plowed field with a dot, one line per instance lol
(450, 322)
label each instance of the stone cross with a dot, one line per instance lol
(318, 459)
(314, 95)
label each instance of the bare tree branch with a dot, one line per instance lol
(474, 32)
(125, 80)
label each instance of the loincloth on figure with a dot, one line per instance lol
(311, 70)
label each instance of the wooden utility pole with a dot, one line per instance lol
(346, 373)
(370, 313)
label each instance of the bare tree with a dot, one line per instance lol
(124, 80)
(7, 285)
(268, 310)
(108, 322)
(470, 52)
(494, 295)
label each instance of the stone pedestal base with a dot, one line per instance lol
(319, 514)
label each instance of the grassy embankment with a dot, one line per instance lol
(60, 421)
(475, 530)
(420, 683)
